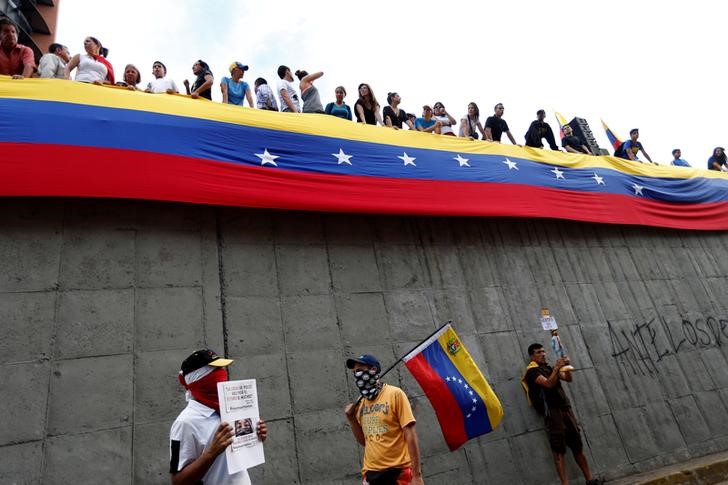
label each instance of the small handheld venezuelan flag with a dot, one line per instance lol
(464, 403)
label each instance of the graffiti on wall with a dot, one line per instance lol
(641, 346)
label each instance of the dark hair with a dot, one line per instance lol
(301, 74)
(722, 156)
(260, 81)
(633, 130)
(496, 106)
(390, 97)
(533, 348)
(204, 65)
(282, 71)
(675, 151)
(540, 112)
(438, 102)
(477, 110)
(161, 64)
(7, 21)
(342, 88)
(103, 51)
(54, 46)
(369, 102)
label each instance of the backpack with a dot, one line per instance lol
(538, 399)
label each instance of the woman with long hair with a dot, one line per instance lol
(309, 92)
(470, 123)
(718, 160)
(91, 67)
(367, 107)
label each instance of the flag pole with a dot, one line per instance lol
(406, 354)
(413, 348)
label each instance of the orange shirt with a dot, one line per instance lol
(382, 421)
(19, 57)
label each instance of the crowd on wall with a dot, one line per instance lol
(92, 66)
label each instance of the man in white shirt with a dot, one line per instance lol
(198, 439)
(286, 91)
(160, 83)
(53, 63)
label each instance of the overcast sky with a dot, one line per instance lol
(659, 67)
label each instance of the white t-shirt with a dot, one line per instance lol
(90, 70)
(161, 85)
(445, 128)
(288, 87)
(193, 429)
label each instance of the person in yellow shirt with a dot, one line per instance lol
(383, 423)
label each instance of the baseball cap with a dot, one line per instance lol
(239, 65)
(365, 359)
(201, 358)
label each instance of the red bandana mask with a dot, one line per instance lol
(205, 390)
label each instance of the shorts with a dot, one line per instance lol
(393, 476)
(563, 431)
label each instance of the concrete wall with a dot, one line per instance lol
(101, 300)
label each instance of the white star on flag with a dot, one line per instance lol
(475, 401)
(473, 409)
(447, 378)
(407, 159)
(559, 174)
(266, 158)
(343, 157)
(638, 189)
(598, 179)
(511, 165)
(462, 161)
(460, 381)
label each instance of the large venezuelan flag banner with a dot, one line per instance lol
(464, 403)
(70, 139)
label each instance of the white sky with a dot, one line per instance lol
(656, 66)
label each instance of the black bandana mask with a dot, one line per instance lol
(367, 382)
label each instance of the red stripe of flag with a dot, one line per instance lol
(446, 406)
(74, 171)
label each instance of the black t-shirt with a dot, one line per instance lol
(497, 126)
(572, 141)
(369, 117)
(396, 120)
(555, 397)
(199, 82)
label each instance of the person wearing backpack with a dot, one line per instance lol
(542, 384)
